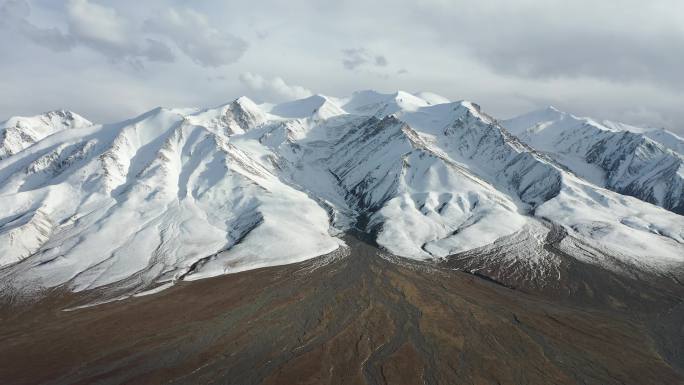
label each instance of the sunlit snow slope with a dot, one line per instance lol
(191, 193)
(647, 164)
(20, 132)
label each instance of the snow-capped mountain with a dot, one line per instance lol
(647, 164)
(668, 139)
(182, 194)
(664, 137)
(19, 132)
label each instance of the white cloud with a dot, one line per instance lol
(104, 30)
(194, 35)
(14, 15)
(274, 89)
(621, 41)
(94, 22)
(621, 61)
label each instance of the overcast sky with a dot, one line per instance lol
(108, 60)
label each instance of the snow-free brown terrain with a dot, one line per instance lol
(358, 317)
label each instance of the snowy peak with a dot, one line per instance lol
(364, 103)
(242, 114)
(550, 116)
(432, 98)
(315, 106)
(476, 110)
(246, 103)
(373, 103)
(64, 118)
(51, 121)
(536, 120)
(554, 119)
(662, 136)
(407, 101)
(18, 133)
(610, 156)
(668, 139)
(236, 117)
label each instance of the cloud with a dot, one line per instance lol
(274, 89)
(191, 33)
(14, 15)
(613, 60)
(99, 24)
(357, 57)
(603, 56)
(106, 31)
(354, 57)
(628, 41)
(380, 61)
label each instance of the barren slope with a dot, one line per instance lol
(365, 318)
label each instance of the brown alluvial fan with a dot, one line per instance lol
(358, 317)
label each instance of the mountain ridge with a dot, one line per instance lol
(195, 193)
(618, 159)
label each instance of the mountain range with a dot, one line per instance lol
(184, 194)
